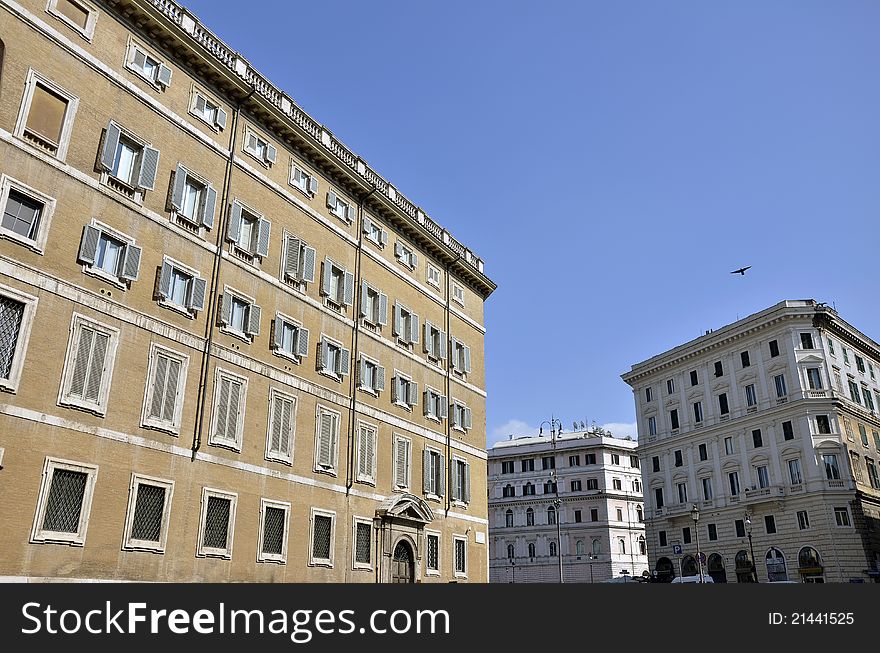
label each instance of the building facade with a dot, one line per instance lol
(770, 427)
(577, 495)
(231, 351)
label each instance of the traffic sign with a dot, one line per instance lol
(702, 557)
(676, 549)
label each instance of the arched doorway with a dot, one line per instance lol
(665, 570)
(689, 566)
(402, 563)
(716, 568)
(776, 570)
(744, 569)
(810, 565)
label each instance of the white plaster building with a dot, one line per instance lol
(770, 426)
(590, 483)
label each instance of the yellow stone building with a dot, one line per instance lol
(229, 349)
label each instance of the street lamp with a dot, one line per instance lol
(512, 562)
(555, 428)
(592, 557)
(748, 521)
(695, 515)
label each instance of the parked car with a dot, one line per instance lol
(693, 579)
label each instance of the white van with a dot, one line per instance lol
(693, 579)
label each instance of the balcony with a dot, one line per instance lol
(796, 489)
(836, 484)
(758, 494)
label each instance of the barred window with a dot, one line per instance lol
(149, 510)
(274, 532)
(433, 546)
(11, 315)
(322, 538)
(460, 556)
(363, 538)
(218, 518)
(65, 501)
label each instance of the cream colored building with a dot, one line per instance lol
(229, 349)
(770, 426)
(577, 496)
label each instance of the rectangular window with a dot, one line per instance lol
(148, 516)
(682, 492)
(217, 523)
(461, 416)
(740, 526)
(461, 480)
(528, 465)
(686, 535)
(340, 208)
(694, 379)
(432, 561)
(274, 516)
(751, 395)
(371, 375)
(806, 341)
(658, 498)
(869, 401)
(719, 369)
(578, 517)
(208, 111)
(405, 325)
(832, 470)
(458, 294)
(460, 356)
(823, 424)
(374, 307)
(649, 394)
(363, 543)
(728, 446)
(723, 407)
(770, 524)
(109, 254)
(148, 66)
(713, 532)
(854, 391)
(460, 556)
(679, 460)
(616, 484)
(299, 261)
(763, 476)
(774, 348)
(744, 358)
(574, 461)
(326, 440)
(652, 425)
(433, 275)
(26, 214)
(406, 255)
(249, 232)
(590, 459)
(180, 288)
(402, 462)
(282, 426)
(192, 199)
(65, 502)
(322, 537)
(46, 116)
(435, 343)
(259, 147)
(845, 355)
(436, 407)
(303, 180)
(592, 484)
(78, 14)
(673, 418)
(165, 389)
(841, 517)
(707, 488)
(873, 478)
(781, 390)
(433, 473)
(860, 364)
(289, 338)
(670, 386)
(634, 462)
(814, 378)
(230, 391)
(662, 537)
(404, 391)
(757, 439)
(615, 459)
(864, 434)
(655, 463)
(698, 412)
(703, 451)
(733, 483)
(507, 467)
(130, 165)
(787, 431)
(794, 471)
(88, 367)
(576, 485)
(333, 359)
(16, 316)
(803, 520)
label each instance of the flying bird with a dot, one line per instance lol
(741, 271)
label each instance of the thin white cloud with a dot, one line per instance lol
(622, 429)
(514, 427)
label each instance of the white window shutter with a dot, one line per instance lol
(365, 297)
(456, 491)
(366, 224)
(271, 153)
(197, 294)
(313, 184)
(380, 378)
(178, 187)
(443, 344)
(383, 309)
(414, 259)
(88, 246)
(278, 333)
(254, 313)
(325, 441)
(344, 356)
(164, 75)
(149, 168)
(221, 118)
(297, 176)
(309, 255)
(426, 471)
(139, 59)
(467, 359)
(395, 389)
(234, 229)
(426, 402)
(327, 279)
(209, 205)
(331, 200)
(414, 328)
(291, 257)
(397, 329)
(441, 476)
(225, 308)
(111, 142)
(351, 212)
(412, 393)
(428, 342)
(132, 262)
(323, 348)
(467, 418)
(348, 283)
(453, 349)
(444, 407)
(361, 372)
(264, 229)
(383, 237)
(466, 495)
(398, 250)
(302, 341)
(165, 280)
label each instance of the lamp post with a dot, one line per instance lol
(695, 515)
(512, 562)
(555, 428)
(592, 557)
(748, 521)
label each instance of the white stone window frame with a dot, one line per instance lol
(40, 536)
(94, 271)
(78, 320)
(849, 518)
(398, 487)
(270, 455)
(249, 254)
(333, 469)
(374, 232)
(374, 321)
(38, 244)
(89, 32)
(135, 193)
(406, 255)
(433, 269)
(219, 373)
(355, 565)
(342, 209)
(283, 353)
(151, 422)
(322, 562)
(336, 302)
(460, 574)
(425, 409)
(396, 400)
(33, 78)
(452, 472)
(458, 294)
(336, 374)
(195, 92)
(24, 333)
(203, 551)
(266, 161)
(272, 557)
(197, 224)
(167, 303)
(131, 50)
(311, 179)
(371, 478)
(300, 282)
(456, 426)
(435, 496)
(439, 536)
(374, 391)
(250, 301)
(130, 544)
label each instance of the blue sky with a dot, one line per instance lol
(610, 161)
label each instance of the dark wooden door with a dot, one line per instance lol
(402, 564)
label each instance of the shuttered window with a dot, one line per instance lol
(461, 356)
(373, 231)
(461, 416)
(260, 148)
(299, 261)
(374, 305)
(433, 472)
(461, 480)
(433, 557)
(89, 365)
(371, 375)
(333, 358)
(366, 452)
(406, 255)
(208, 111)
(326, 440)
(282, 424)
(404, 391)
(165, 389)
(290, 338)
(337, 284)
(193, 199)
(305, 181)
(339, 207)
(402, 462)
(180, 287)
(127, 160)
(405, 324)
(435, 341)
(109, 254)
(148, 66)
(248, 231)
(239, 314)
(435, 405)
(229, 403)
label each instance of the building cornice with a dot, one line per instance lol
(173, 27)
